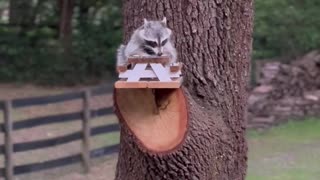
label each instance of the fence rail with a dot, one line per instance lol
(86, 115)
(61, 118)
(35, 167)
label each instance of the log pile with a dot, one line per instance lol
(285, 92)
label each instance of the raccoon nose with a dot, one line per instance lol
(159, 53)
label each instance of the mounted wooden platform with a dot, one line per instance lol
(149, 84)
(150, 72)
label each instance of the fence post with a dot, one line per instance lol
(86, 131)
(8, 140)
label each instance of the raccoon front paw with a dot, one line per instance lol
(122, 68)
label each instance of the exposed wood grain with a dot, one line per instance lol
(156, 132)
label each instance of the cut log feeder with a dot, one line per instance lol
(148, 98)
(149, 72)
(162, 131)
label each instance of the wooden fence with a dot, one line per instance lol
(86, 115)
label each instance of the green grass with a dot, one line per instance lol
(286, 152)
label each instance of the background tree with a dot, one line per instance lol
(65, 26)
(201, 134)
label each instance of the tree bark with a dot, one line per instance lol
(65, 25)
(213, 40)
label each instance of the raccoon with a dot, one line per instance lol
(153, 38)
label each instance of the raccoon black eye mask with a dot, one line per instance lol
(148, 51)
(151, 43)
(154, 44)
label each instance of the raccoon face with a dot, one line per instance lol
(155, 35)
(154, 47)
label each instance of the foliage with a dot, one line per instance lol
(35, 54)
(97, 41)
(286, 27)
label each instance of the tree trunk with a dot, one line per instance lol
(199, 131)
(65, 26)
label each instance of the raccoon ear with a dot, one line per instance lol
(141, 34)
(146, 23)
(164, 21)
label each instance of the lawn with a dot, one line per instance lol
(286, 152)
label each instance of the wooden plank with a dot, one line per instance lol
(24, 102)
(8, 140)
(107, 150)
(125, 84)
(68, 117)
(149, 59)
(105, 129)
(27, 146)
(86, 132)
(1, 105)
(39, 166)
(33, 145)
(35, 167)
(160, 72)
(150, 84)
(151, 73)
(135, 74)
(45, 120)
(165, 85)
(176, 67)
(102, 112)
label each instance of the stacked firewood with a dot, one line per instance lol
(286, 91)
